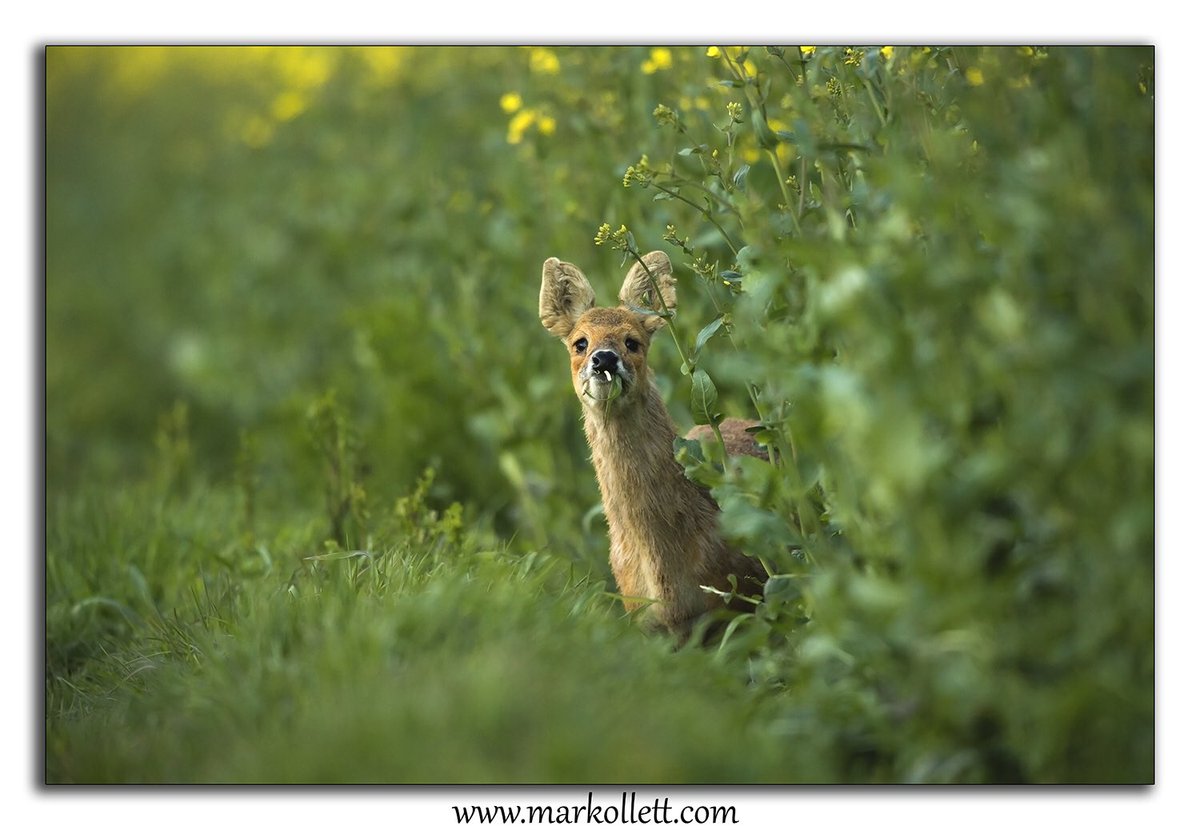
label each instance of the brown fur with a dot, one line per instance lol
(663, 528)
(734, 433)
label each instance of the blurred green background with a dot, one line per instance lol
(319, 506)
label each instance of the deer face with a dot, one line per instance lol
(608, 356)
(607, 346)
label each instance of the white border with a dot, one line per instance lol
(1170, 803)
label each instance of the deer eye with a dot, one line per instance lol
(632, 344)
(580, 345)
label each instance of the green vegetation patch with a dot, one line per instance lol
(318, 502)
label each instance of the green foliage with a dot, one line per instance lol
(946, 318)
(297, 393)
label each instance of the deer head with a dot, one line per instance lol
(608, 346)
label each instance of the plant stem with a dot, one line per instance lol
(675, 337)
(875, 103)
(662, 301)
(703, 210)
(783, 188)
(788, 66)
(725, 202)
(757, 103)
(803, 187)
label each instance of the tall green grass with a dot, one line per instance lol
(442, 656)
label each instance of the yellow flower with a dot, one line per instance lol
(886, 52)
(287, 105)
(659, 59)
(750, 69)
(303, 67)
(510, 102)
(519, 124)
(975, 76)
(542, 61)
(807, 50)
(385, 62)
(732, 52)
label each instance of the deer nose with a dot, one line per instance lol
(604, 360)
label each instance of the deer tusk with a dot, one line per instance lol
(607, 376)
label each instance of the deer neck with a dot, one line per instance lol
(633, 451)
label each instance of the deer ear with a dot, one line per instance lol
(639, 291)
(566, 294)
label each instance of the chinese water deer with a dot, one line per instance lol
(665, 542)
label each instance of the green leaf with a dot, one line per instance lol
(842, 146)
(688, 451)
(802, 137)
(782, 588)
(708, 331)
(765, 135)
(336, 555)
(690, 454)
(704, 399)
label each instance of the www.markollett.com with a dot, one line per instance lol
(628, 812)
